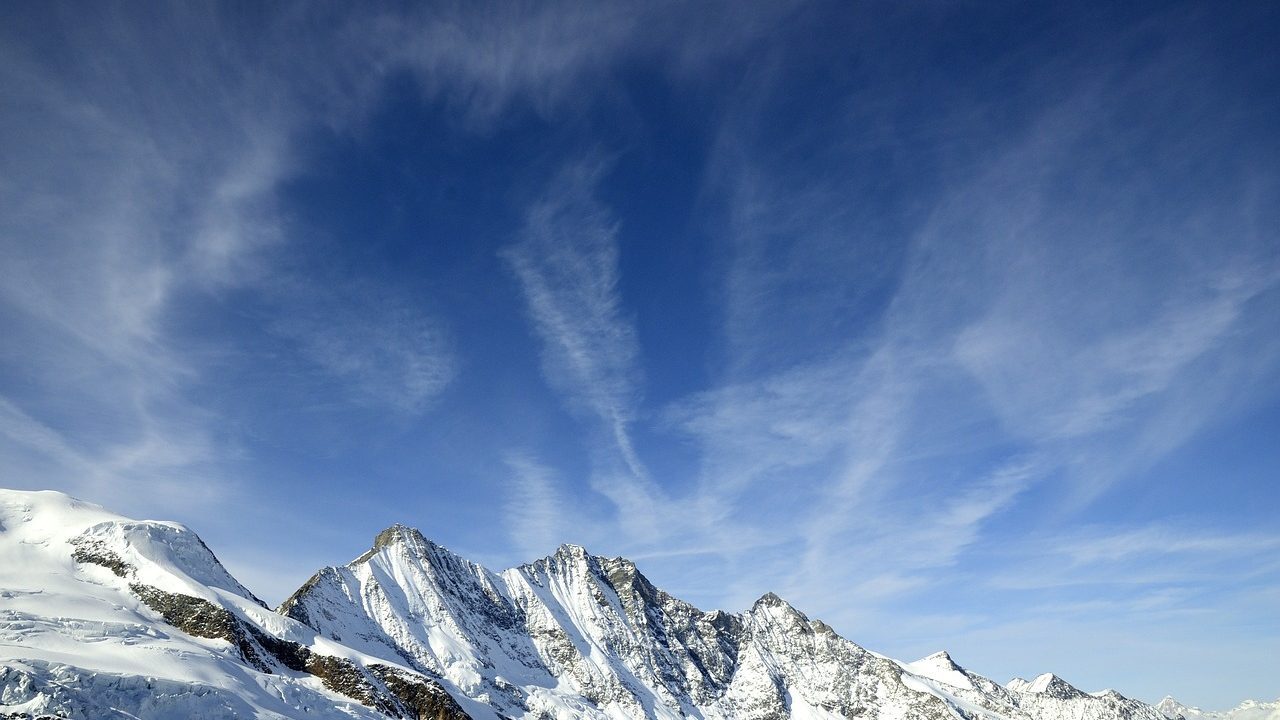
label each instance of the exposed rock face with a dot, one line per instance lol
(424, 699)
(390, 691)
(97, 553)
(201, 618)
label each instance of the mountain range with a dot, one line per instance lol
(106, 617)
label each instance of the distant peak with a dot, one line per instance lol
(1046, 683)
(571, 550)
(397, 534)
(566, 558)
(939, 666)
(770, 599)
(620, 562)
(940, 659)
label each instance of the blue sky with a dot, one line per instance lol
(955, 324)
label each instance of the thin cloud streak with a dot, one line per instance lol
(384, 350)
(567, 265)
(1153, 555)
(539, 515)
(539, 56)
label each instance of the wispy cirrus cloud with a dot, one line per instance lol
(140, 188)
(482, 62)
(381, 349)
(98, 240)
(539, 515)
(1155, 555)
(1040, 337)
(142, 177)
(984, 348)
(567, 265)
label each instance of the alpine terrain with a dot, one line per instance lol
(1247, 710)
(106, 617)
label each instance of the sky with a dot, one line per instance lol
(956, 324)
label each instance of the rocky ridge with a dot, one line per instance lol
(575, 635)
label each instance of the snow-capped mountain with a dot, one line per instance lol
(579, 636)
(106, 617)
(1247, 710)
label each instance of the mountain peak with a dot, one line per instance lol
(573, 551)
(41, 515)
(941, 658)
(939, 666)
(1046, 684)
(772, 600)
(397, 534)
(1170, 707)
(569, 557)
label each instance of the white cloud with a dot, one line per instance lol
(1157, 556)
(567, 265)
(384, 350)
(751, 430)
(538, 516)
(482, 61)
